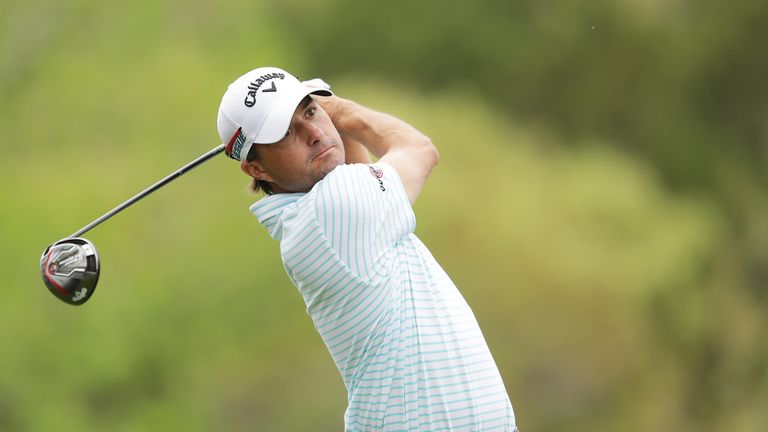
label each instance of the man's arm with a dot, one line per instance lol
(391, 140)
(355, 151)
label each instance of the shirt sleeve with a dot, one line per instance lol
(364, 212)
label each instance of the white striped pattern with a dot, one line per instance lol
(406, 343)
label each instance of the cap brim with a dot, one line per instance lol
(279, 118)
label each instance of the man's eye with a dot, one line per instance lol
(311, 112)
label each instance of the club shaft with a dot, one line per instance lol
(150, 189)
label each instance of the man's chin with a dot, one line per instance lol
(328, 161)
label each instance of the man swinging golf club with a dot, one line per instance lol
(406, 343)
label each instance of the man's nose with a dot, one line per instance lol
(313, 134)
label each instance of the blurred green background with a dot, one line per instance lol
(601, 202)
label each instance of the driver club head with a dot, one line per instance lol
(70, 269)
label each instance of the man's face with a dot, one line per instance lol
(310, 150)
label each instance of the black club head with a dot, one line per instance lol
(70, 269)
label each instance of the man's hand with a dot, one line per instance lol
(331, 105)
(328, 103)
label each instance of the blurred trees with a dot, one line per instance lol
(681, 84)
(615, 248)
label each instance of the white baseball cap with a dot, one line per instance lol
(258, 107)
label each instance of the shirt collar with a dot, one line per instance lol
(269, 210)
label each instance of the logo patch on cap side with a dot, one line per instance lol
(238, 147)
(253, 87)
(235, 145)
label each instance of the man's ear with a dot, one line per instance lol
(256, 170)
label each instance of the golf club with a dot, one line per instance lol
(70, 267)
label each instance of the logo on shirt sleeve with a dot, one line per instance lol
(378, 174)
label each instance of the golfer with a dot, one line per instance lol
(405, 342)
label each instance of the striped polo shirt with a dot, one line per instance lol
(406, 343)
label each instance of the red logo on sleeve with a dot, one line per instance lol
(378, 174)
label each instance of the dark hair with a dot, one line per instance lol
(257, 184)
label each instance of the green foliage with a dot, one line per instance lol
(672, 81)
(600, 202)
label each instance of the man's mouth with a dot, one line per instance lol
(323, 152)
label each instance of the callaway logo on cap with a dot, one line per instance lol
(258, 107)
